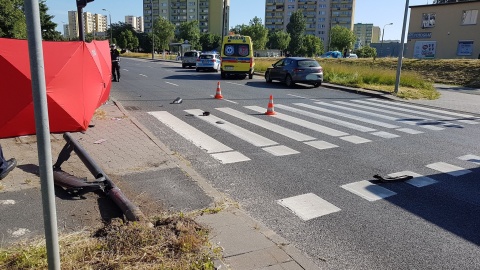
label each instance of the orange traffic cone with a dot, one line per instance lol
(270, 110)
(218, 94)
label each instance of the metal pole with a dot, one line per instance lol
(39, 95)
(383, 34)
(110, 18)
(400, 54)
(153, 32)
(81, 36)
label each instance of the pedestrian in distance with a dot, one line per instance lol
(6, 166)
(115, 55)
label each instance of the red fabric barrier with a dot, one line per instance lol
(78, 81)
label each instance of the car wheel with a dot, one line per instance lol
(288, 81)
(317, 84)
(267, 77)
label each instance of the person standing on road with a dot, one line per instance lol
(6, 166)
(115, 55)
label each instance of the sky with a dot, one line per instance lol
(377, 12)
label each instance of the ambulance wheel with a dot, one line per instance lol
(250, 75)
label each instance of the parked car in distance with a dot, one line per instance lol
(352, 55)
(293, 70)
(332, 54)
(208, 61)
(190, 58)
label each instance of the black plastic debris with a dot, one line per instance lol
(178, 100)
(206, 113)
(392, 179)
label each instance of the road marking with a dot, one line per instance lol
(226, 100)
(143, 75)
(346, 115)
(308, 206)
(218, 150)
(417, 122)
(235, 83)
(172, 83)
(326, 119)
(448, 169)
(418, 180)
(471, 158)
(385, 135)
(391, 107)
(368, 191)
(301, 122)
(280, 150)
(292, 134)
(355, 139)
(321, 145)
(471, 122)
(297, 96)
(409, 130)
(5, 202)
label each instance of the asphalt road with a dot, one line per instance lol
(307, 172)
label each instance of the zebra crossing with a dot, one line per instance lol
(309, 206)
(358, 122)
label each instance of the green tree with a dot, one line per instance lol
(257, 32)
(210, 42)
(313, 45)
(128, 40)
(238, 29)
(278, 40)
(366, 52)
(164, 30)
(190, 31)
(296, 28)
(341, 38)
(12, 19)
(47, 25)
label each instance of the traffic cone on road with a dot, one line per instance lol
(270, 110)
(218, 94)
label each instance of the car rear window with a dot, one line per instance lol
(190, 54)
(206, 56)
(236, 50)
(308, 63)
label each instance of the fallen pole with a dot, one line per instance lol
(131, 211)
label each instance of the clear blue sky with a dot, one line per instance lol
(378, 12)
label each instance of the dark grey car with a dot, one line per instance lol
(293, 70)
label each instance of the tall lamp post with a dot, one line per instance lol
(383, 34)
(153, 32)
(110, 18)
(400, 55)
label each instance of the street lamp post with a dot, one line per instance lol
(153, 32)
(110, 18)
(383, 34)
(400, 55)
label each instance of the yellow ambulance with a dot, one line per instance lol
(237, 56)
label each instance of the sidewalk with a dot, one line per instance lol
(137, 161)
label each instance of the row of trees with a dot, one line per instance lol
(293, 41)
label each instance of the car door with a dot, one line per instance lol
(275, 70)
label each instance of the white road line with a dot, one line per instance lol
(409, 122)
(392, 107)
(235, 83)
(448, 169)
(218, 150)
(409, 130)
(418, 180)
(326, 119)
(471, 158)
(368, 191)
(308, 206)
(172, 83)
(321, 145)
(280, 150)
(244, 134)
(433, 110)
(226, 100)
(301, 122)
(5, 202)
(297, 96)
(292, 134)
(385, 135)
(346, 115)
(355, 139)
(125, 69)
(143, 75)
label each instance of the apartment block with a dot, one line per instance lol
(366, 34)
(209, 13)
(95, 24)
(135, 22)
(320, 15)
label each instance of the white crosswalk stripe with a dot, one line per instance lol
(448, 168)
(368, 190)
(418, 180)
(471, 158)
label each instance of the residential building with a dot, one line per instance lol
(444, 31)
(212, 15)
(135, 22)
(95, 24)
(321, 15)
(366, 34)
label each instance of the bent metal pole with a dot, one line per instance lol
(39, 93)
